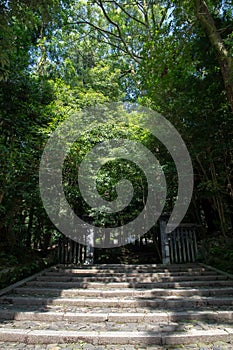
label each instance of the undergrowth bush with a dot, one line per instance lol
(217, 251)
(18, 263)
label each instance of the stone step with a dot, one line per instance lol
(125, 292)
(136, 278)
(118, 304)
(221, 281)
(136, 269)
(30, 336)
(130, 266)
(106, 326)
(108, 273)
(122, 317)
(163, 302)
(116, 325)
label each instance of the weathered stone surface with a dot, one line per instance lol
(106, 307)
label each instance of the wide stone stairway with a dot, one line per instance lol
(121, 305)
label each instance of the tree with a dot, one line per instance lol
(176, 71)
(221, 46)
(59, 57)
(34, 98)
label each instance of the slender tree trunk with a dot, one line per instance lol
(209, 205)
(7, 223)
(29, 228)
(225, 61)
(218, 200)
(210, 215)
(1, 197)
(197, 215)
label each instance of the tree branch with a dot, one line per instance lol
(120, 36)
(114, 45)
(101, 30)
(127, 13)
(164, 14)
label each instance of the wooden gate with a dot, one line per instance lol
(179, 246)
(183, 244)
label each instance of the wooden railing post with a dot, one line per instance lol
(89, 256)
(166, 259)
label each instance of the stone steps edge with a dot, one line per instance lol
(135, 317)
(213, 291)
(117, 302)
(101, 338)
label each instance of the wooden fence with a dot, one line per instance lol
(179, 246)
(70, 252)
(183, 244)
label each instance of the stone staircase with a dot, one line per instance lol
(122, 305)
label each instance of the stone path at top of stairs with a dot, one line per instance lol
(120, 307)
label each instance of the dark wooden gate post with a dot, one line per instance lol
(90, 237)
(164, 240)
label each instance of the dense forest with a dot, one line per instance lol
(59, 57)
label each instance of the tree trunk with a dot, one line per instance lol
(211, 216)
(29, 228)
(7, 221)
(225, 61)
(1, 196)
